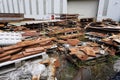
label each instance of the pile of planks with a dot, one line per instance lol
(25, 48)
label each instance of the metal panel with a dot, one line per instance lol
(33, 8)
(40, 9)
(57, 6)
(21, 6)
(4, 7)
(33, 4)
(52, 6)
(86, 8)
(27, 9)
(1, 7)
(7, 5)
(48, 7)
(15, 6)
(64, 6)
(61, 6)
(24, 7)
(18, 4)
(109, 9)
(37, 7)
(44, 7)
(10, 7)
(113, 11)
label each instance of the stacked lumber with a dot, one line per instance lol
(25, 48)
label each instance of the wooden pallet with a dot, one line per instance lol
(14, 64)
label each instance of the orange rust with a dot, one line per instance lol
(73, 42)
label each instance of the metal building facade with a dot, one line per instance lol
(34, 8)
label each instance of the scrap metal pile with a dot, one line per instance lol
(41, 36)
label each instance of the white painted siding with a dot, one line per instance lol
(100, 10)
(109, 9)
(33, 8)
(86, 8)
(114, 10)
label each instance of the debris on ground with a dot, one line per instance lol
(66, 40)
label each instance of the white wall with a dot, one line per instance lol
(33, 8)
(100, 10)
(114, 10)
(109, 9)
(86, 8)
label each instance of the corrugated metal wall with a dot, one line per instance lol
(114, 10)
(109, 9)
(33, 8)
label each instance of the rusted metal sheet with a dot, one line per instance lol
(88, 50)
(73, 42)
(79, 54)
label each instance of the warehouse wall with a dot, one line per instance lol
(114, 10)
(109, 9)
(33, 8)
(86, 8)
